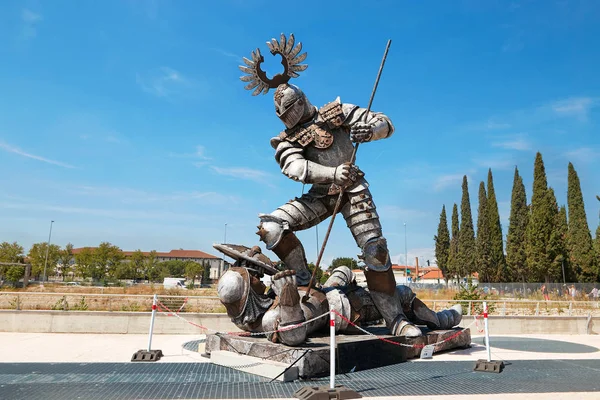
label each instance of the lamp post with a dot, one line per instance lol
(225, 240)
(47, 249)
(406, 252)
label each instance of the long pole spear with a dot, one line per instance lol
(340, 197)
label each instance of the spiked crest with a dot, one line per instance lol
(290, 59)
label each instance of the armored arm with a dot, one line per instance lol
(294, 165)
(380, 125)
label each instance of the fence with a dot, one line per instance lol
(211, 304)
(105, 302)
(556, 291)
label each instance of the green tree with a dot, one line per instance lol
(151, 267)
(319, 275)
(107, 257)
(14, 273)
(84, 262)
(556, 245)
(453, 262)
(138, 264)
(37, 258)
(174, 268)
(442, 244)
(484, 256)
(467, 250)
(124, 270)
(206, 274)
(66, 259)
(560, 248)
(597, 243)
(340, 261)
(498, 260)
(193, 270)
(11, 252)
(516, 255)
(581, 249)
(541, 224)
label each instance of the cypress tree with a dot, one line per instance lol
(467, 252)
(598, 247)
(541, 223)
(498, 261)
(556, 245)
(566, 273)
(484, 260)
(581, 250)
(442, 245)
(516, 256)
(453, 265)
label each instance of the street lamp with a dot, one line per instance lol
(47, 249)
(405, 252)
(225, 241)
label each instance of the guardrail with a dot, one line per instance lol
(509, 307)
(211, 304)
(105, 302)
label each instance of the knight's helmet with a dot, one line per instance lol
(291, 104)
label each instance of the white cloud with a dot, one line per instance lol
(104, 213)
(424, 254)
(30, 20)
(200, 153)
(15, 150)
(577, 107)
(128, 195)
(226, 53)
(490, 125)
(515, 143)
(166, 83)
(583, 154)
(395, 212)
(497, 162)
(445, 181)
(243, 173)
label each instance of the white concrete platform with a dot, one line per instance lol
(254, 365)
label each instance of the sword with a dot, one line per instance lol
(352, 159)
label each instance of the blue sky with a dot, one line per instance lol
(126, 121)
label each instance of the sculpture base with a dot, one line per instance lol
(325, 393)
(354, 352)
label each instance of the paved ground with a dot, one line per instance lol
(80, 366)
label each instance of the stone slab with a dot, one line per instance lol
(256, 366)
(354, 352)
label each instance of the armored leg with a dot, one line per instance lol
(445, 319)
(277, 229)
(420, 314)
(362, 219)
(288, 310)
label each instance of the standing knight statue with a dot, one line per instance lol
(316, 148)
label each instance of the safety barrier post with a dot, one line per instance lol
(149, 354)
(152, 322)
(489, 365)
(332, 349)
(487, 332)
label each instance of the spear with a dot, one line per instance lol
(340, 197)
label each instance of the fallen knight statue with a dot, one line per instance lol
(253, 309)
(316, 148)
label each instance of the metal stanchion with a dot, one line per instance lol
(332, 350)
(149, 354)
(332, 392)
(488, 365)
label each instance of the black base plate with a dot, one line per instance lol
(145, 355)
(325, 393)
(489, 366)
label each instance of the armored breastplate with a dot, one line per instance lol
(325, 140)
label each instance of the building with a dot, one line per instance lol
(217, 265)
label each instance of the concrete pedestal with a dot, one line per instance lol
(354, 352)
